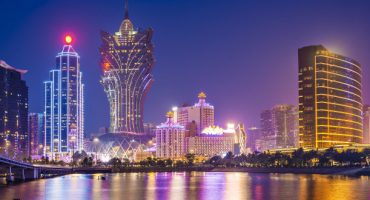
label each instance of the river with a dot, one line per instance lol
(194, 185)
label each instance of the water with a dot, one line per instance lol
(195, 185)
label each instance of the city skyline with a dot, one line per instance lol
(245, 59)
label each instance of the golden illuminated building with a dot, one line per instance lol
(330, 99)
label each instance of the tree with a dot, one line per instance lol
(190, 158)
(215, 161)
(161, 163)
(297, 158)
(115, 162)
(179, 163)
(169, 162)
(143, 163)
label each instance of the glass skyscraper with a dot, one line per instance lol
(127, 61)
(330, 99)
(13, 112)
(64, 104)
(36, 132)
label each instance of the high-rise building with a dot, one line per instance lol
(127, 61)
(170, 138)
(36, 132)
(268, 140)
(330, 98)
(267, 128)
(253, 134)
(64, 103)
(366, 124)
(13, 112)
(197, 117)
(279, 127)
(285, 125)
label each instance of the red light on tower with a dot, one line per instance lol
(68, 39)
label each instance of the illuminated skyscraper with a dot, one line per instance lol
(197, 117)
(36, 132)
(127, 61)
(13, 112)
(330, 99)
(64, 103)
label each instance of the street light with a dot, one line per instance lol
(96, 141)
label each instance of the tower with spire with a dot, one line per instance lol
(64, 104)
(127, 61)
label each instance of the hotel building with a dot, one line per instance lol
(197, 117)
(127, 62)
(64, 104)
(213, 141)
(13, 112)
(330, 99)
(170, 138)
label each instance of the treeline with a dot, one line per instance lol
(298, 158)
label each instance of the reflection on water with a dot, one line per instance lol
(195, 185)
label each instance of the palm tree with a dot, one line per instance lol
(190, 158)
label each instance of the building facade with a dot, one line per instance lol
(197, 117)
(127, 61)
(330, 99)
(13, 112)
(279, 127)
(212, 141)
(36, 132)
(254, 134)
(170, 138)
(366, 125)
(285, 125)
(64, 104)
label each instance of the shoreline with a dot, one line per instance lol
(348, 171)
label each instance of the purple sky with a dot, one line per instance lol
(242, 54)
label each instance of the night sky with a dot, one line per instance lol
(242, 54)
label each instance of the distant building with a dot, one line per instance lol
(253, 134)
(267, 129)
(197, 117)
(149, 129)
(13, 112)
(285, 125)
(279, 127)
(330, 99)
(36, 131)
(170, 138)
(366, 124)
(127, 61)
(64, 104)
(240, 143)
